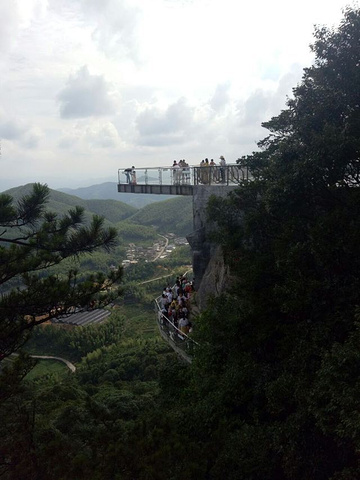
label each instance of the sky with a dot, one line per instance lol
(88, 87)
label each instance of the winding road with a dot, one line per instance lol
(163, 250)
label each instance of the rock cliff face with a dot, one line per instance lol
(210, 272)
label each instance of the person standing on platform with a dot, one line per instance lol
(127, 172)
(206, 175)
(176, 173)
(222, 168)
(213, 176)
(133, 175)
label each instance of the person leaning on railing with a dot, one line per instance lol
(127, 172)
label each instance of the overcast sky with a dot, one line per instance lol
(91, 86)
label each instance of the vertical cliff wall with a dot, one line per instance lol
(211, 274)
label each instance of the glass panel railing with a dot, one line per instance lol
(231, 174)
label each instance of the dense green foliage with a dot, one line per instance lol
(116, 214)
(40, 240)
(174, 215)
(107, 422)
(112, 210)
(281, 370)
(273, 391)
(178, 257)
(133, 233)
(75, 343)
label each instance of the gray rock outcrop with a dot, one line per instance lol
(211, 274)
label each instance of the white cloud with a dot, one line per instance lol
(31, 140)
(103, 135)
(165, 127)
(85, 95)
(12, 129)
(221, 97)
(15, 15)
(112, 23)
(86, 135)
(9, 23)
(19, 132)
(115, 27)
(160, 80)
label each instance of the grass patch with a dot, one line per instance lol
(139, 322)
(47, 367)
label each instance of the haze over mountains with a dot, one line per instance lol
(108, 190)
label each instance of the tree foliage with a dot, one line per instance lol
(273, 391)
(31, 241)
(106, 422)
(77, 342)
(291, 238)
(174, 215)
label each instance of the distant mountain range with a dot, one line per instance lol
(108, 191)
(168, 214)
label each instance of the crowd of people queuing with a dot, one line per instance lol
(174, 304)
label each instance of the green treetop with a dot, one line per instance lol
(292, 240)
(31, 241)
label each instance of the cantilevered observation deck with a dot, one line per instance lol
(200, 183)
(179, 181)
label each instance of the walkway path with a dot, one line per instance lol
(179, 341)
(70, 365)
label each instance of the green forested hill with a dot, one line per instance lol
(130, 232)
(58, 202)
(174, 215)
(133, 226)
(112, 210)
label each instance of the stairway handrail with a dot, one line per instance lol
(172, 323)
(188, 341)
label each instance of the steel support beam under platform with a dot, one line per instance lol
(156, 189)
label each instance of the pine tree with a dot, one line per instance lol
(32, 240)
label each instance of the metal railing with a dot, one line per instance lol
(231, 174)
(182, 343)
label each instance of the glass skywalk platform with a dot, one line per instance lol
(179, 181)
